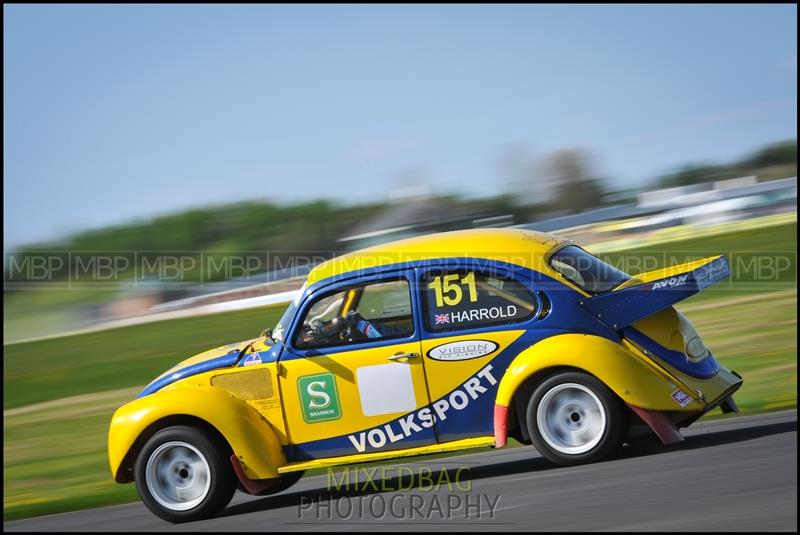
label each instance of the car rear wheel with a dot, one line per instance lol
(182, 474)
(574, 418)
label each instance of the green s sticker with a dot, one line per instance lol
(319, 398)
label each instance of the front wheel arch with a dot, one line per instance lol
(125, 472)
(181, 460)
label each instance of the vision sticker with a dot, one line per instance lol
(462, 350)
(319, 398)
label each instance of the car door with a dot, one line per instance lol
(475, 318)
(356, 388)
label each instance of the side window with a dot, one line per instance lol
(368, 311)
(386, 302)
(466, 299)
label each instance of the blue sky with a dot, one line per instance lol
(120, 112)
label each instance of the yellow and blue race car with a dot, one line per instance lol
(430, 344)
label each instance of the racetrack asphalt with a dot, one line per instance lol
(731, 474)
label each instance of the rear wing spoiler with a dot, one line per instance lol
(654, 291)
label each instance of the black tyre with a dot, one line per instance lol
(574, 418)
(183, 474)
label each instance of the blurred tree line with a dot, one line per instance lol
(286, 233)
(567, 182)
(563, 182)
(778, 160)
(559, 183)
(238, 229)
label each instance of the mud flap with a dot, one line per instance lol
(728, 406)
(253, 486)
(664, 429)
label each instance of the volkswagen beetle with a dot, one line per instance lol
(430, 344)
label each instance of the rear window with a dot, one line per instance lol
(467, 299)
(587, 271)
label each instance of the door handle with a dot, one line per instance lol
(404, 357)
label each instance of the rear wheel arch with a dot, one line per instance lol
(125, 472)
(517, 421)
(519, 400)
(574, 417)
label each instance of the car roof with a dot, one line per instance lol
(516, 246)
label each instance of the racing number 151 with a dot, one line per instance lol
(448, 288)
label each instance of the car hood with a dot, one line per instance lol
(218, 357)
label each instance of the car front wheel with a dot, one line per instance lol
(182, 474)
(574, 418)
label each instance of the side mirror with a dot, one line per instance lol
(267, 333)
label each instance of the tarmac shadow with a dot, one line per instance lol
(404, 482)
(415, 481)
(651, 446)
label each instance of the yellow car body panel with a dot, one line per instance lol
(254, 442)
(208, 355)
(444, 376)
(515, 246)
(707, 390)
(343, 367)
(633, 379)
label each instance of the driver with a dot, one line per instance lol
(353, 320)
(370, 329)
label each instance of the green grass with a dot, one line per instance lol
(55, 453)
(31, 313)
(61, 367)
(761, 259)
(55, 460)
(758, 339)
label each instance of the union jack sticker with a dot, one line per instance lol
(439, 319)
